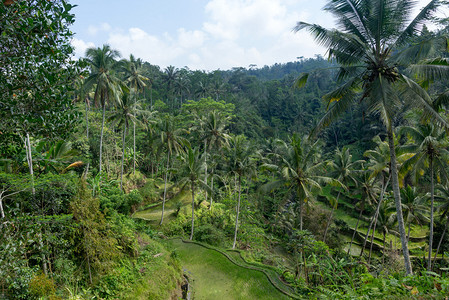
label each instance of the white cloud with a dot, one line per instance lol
(235, 33)
(81, 46)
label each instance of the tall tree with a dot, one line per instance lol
(191, 172)
(372, 47)
(124, 114)
(298, 168)
(102, 62)
(429, 144)
(172, 141)
(240, 163)
(344, 170)
(133, 71)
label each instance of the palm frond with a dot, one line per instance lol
(414, 26)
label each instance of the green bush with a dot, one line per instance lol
(210, 235)
(41, 285)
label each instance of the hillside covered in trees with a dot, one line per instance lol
(317, 178)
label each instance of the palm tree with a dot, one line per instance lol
(182, 86)
(442, 196)
(193, 164)
(386, 222)
(214, 134)
(369, 191)
(124, 114)
(240, 163)
(414, 207)
(102, 62)
(172, 140)
(344, 170)
(135, 79)
(170, 77)
(371, 33)
(298, 169)
(429, 144)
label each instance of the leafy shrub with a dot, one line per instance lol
(41, 285)
(18, 286)
(210, 235)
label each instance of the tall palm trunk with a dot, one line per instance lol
(30, 161)
(193, 209)
(205, 166)
(374, 218)
(87, 118)
(101, 135)
(441, 239)
(355, 230)
(432, 196)
(212, 192)
(238, 212)
(134, 137)
(123, 158)
(330, 218)
(383, 251)
(165, 188)
(397, 201)
(372, 238)
(134, 148)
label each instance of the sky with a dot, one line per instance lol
(201, 34)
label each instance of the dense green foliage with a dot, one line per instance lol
(102, 168)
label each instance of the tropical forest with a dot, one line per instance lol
(321, 178)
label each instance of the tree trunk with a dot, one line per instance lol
(205, 166)
(355, 231)
(441, 239)
(134, 148)
(30, 162)
(397, 201)
(383, 251)
(330, 218)
(165, 188)
(408, 231)
(372, 238)
(134, 136)
(238, 212)
(87, 119)
(123, 158)
(101, 136)
(432, 196)
(212, 192)
(2, 212)
(382, 192)
(193, 209)
(300, 212)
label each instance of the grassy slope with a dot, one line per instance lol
(215, 277)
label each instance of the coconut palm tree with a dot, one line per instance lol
(372, 46)
(214, 134)
(134, 78)
(240, 163)
(124, 114)
(298, 169)
(173, 142)
(429, 144)
(102, 62)
(369, 191)
(414, 207)
(344, 170)
(192, 170)
(442, 196)
(386, 221)
(170, 77)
